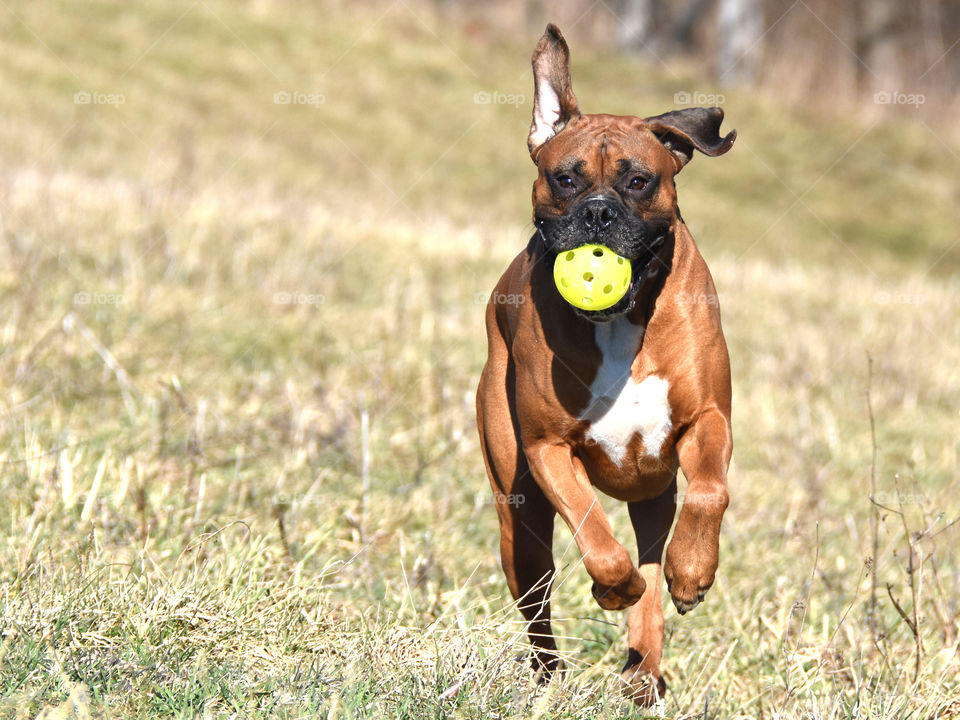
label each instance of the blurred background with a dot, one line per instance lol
(245, 252)
(834, 53)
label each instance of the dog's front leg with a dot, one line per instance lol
(694, 550)
(616, 581)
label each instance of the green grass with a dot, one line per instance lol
(185, 530)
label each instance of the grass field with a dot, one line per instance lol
(240, 340)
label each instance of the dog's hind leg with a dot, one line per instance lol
(651, 521)
(526, 537)
(526, 517)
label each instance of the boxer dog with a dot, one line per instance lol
(574, 401)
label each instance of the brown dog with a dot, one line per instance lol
(573, 401)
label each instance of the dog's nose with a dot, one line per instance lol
(598, 214)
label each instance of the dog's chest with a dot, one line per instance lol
(620, 407)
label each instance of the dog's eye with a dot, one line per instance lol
(636, 183)
(564, 181)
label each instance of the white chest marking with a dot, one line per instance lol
(620, 407)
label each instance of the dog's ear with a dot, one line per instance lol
(554, 104)
(681, 131)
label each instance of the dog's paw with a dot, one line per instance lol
(622, 595)
(642, 686)
(683, 606)
(689, 578)
(544, 663)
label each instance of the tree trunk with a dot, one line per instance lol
(739, 29)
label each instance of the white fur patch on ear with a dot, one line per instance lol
(546, 112)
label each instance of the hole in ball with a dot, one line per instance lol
(563, 281)
(607, 289)
(619, 261)
(588, 276)
(597, 252)
(569, 256)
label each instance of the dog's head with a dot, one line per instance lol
(608, 179)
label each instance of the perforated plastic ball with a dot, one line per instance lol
(592, 277)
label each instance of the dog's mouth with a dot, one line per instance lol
(624, 304)
(644, 268)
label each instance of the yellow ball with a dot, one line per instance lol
(591, 277)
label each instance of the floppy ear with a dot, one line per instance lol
(681, 131)
(554, 104)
